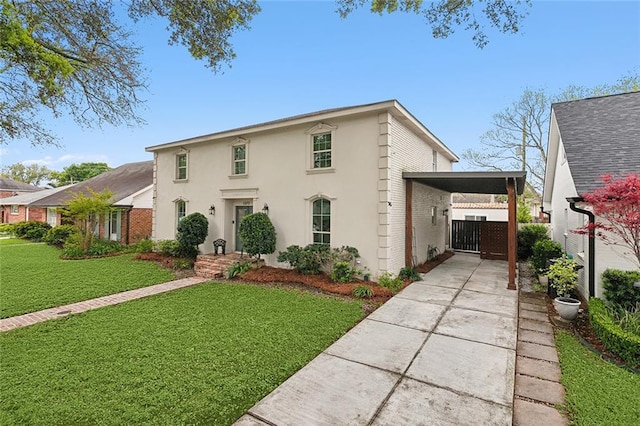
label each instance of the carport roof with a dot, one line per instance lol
(469, 182)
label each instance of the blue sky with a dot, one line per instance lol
(300, 57)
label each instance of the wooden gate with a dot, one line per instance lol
(490, 239)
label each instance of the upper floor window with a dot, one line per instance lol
(434, 165)
(181, 166)
(322, 151)
(239, 159)
(322, 221)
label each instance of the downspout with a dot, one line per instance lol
(592, 242)
(548, 214)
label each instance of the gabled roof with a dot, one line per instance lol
(392, 106)
(600, 135)
(31, 197)
(7, 184)
(123, 181)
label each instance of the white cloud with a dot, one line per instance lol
(65, 160)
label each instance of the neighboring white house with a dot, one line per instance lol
(478, 207)
(333, 176)
(589, 138)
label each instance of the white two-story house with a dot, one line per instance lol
(333, 177)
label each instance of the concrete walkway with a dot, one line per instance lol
(443, 351)
(99, 302)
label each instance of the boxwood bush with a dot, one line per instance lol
(31, 230)
(623, 343)
(257, 234)
(619, 287)
(543, 251)
(57, 235)
(527, 237)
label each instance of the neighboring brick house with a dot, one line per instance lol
(132, 187)
(587, 139)
(11, 188)
(19, 207)
(369, 176)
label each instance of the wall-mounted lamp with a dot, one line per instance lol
(265, 209)
(212, 210)
(445, 212)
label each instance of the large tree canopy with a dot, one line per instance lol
(33, 174)
(77, 57)
(518, 139)
(444, 16)
(78, 173)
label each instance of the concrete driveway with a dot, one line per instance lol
(441, 352)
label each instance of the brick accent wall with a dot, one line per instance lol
(140, 225)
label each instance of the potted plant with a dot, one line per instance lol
(563, 277)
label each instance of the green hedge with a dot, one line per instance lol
(623, 343)
(619, 287)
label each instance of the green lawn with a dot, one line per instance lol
(14, 241)
(201, 355)
(33, 277)
(598, 393)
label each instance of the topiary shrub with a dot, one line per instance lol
(543, 251)
(623, 343)
(527, 237)
(57, 235)
(192, 231)
(619, 287)
(257, 234)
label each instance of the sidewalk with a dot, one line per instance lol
(25, 320)
(443, 351)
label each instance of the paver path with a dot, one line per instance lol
(7, 324)
(442, 351)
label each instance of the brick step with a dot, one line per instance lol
(214, 266)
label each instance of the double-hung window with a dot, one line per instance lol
(15, 209)
(322, 151)
(181, 166)
(239, 159)
(181, 210)
(322, 221)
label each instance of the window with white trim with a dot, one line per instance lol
(321, 151)
(321, 221)
(434, 164)
(476, 218)
(239, 153)
(181, 210)
(434, 219)
(15, 209)
(182, 162)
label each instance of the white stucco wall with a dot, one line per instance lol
(278, 176)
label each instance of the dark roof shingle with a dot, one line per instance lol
(7, 184)
(123, 181)
(600, 135)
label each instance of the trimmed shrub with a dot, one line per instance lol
(623, 343)
(308, 260)
(408, 273)
(168, 247)
(31, 230)
(527, 237)
(619, 287)
(257, 234)
(192, 231)
(387, 280)
(343, 272)
(362, 292)
(543, 251)
(57, 235)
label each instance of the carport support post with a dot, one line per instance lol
(408, 224)
(512, 233)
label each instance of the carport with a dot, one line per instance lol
(506, 183)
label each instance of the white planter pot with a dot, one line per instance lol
(567, 307)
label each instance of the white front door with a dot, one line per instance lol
(115, 219)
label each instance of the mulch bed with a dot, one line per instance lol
(167, 262)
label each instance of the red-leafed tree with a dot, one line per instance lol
(618, 203)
